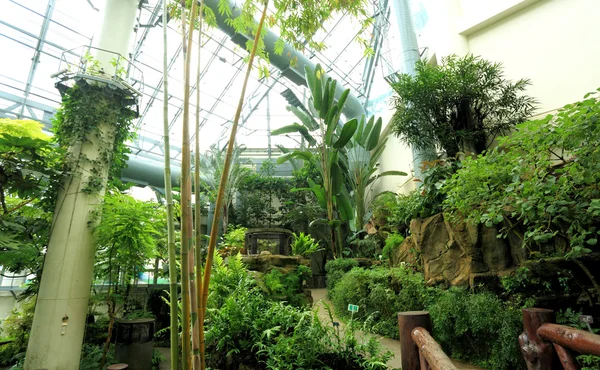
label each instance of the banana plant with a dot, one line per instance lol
(364, 152)
(327, 143)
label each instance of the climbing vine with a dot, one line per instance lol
(84, 108)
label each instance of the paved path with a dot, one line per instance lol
(393, 345)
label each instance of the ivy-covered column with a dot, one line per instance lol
(92, 125)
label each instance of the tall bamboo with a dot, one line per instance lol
(169, 199)
(221, 193)
(195, 355)
(185, 202)
(197, 225)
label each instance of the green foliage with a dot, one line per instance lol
(233, 241)
(126, 236)
(17, 327)
(460, 105)
(304, 245)
(543, 179)
(380, 294)
(336, 269)
(250, 329)
(85, 107)
(392, 242)
(368, 247)
(364, 152)
(288, 286)
(477, 327)
(329, 150)
(463, 322)
(226, 278)
(28, 162)
(263, 199)
(212, 165)
(395, 211)
(29, 173)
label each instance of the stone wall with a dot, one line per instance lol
(458, 254)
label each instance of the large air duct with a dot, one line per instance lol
(142, 171)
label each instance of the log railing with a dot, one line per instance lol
(547, 346)
(418, 349)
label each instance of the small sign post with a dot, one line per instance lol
(352, 308)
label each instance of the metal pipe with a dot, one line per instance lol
(410, 56)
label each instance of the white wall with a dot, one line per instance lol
(554, 43)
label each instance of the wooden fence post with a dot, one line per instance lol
(407, 322)
(538, 354)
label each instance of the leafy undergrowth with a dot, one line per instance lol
(476, 327)
(246, 327)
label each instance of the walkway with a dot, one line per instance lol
(393, 345)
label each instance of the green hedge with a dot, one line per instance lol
(336, 269)
(476, 327)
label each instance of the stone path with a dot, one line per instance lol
(393, 345)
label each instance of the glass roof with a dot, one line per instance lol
(34, 34)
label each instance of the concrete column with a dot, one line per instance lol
(58, 326)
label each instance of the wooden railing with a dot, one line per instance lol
(544, 344)
(418, 349)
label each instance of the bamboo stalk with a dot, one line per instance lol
(224, 175)
(185, 203)
(198, 231)
(186, 157)
(169, 199)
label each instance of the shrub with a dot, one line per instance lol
(17, 327)
(304, 245)
(233, 241)
(380, 294)
(336, 269)
(477, 327)
(543, 179)
(248, 328)
(392, 242)
(288, 287)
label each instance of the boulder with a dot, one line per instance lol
(267, 261)
(406, 252)
(496, 252)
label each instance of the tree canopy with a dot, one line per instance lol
(461, 105)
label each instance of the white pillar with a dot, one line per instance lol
(116, 31)
(68, 268)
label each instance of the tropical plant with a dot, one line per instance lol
(458, 106)
(292, 21)
(304, 245)
(212, 164)
(233, 241)
(29, 168)
(126, 241)
(364, 151)
(540, 183)
(328, 141)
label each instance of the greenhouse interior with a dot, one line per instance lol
(336, 184)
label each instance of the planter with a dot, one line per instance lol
(134, 343)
